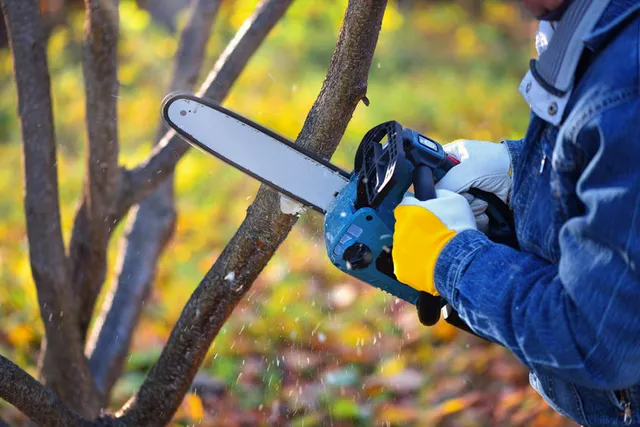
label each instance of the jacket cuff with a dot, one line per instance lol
(514, 147)
(453, 261)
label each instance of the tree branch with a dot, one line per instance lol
(94, 220)
(149, 229)
(192, 46)
(139, 182)
(65, 368)
(263, 230)
(33, 399)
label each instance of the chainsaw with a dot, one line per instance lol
(357, 206)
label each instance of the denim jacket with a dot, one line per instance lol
(567, 304)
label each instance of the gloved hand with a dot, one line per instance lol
(483, 165)
(422, 230)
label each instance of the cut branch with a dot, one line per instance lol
(262, 231)
(33, 399)
(149, 229)
(65, 368)
(94, 219)
(140, 181)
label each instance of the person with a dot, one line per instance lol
(567, 301)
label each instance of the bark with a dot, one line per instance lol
(94, 219)
(65, 369)
(37, 402)
(150, 227)
(263, 230)
(139, 182)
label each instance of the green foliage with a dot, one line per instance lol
(309, 344)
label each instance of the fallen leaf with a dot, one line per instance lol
(305, 397)
(404, 382)
(356, 334)
(392, 366)
(191, 408)
(300, 360)
(397, 414)
(342, 377)
(453, 406)
(345, 409)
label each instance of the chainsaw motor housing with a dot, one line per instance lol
(359, 242)
(359, 225)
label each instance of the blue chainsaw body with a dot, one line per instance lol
(359, 225)
(346, 227)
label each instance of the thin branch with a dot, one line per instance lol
(65, 368)
(139, 182)
(33, 399)
(93, 221)
(192, 46)
(149, 229)
(262, 231)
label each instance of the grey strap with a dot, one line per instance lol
(557, 65)
(548, 84)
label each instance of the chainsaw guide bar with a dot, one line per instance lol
(259, 152)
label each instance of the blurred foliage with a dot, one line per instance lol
(309, 345)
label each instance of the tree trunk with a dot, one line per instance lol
(64, 369)
(151, 227)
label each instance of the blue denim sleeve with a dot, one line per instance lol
(579, 319)
(514, 147)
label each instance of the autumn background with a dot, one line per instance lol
(309, 345)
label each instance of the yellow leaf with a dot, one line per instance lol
(500, 13)
(393, 366)
(356, 334)
(132, 18)
(466, 41)
(452, 406)
(397, 414)
(20, 335)
(194, 408)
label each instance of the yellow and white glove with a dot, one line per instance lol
(422, 230)
(483, 165)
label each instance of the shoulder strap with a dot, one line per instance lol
(549, 81)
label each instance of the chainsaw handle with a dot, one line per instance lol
(424, 188)
(429, 306)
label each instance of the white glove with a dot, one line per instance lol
(483, 165)
(478, 207)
